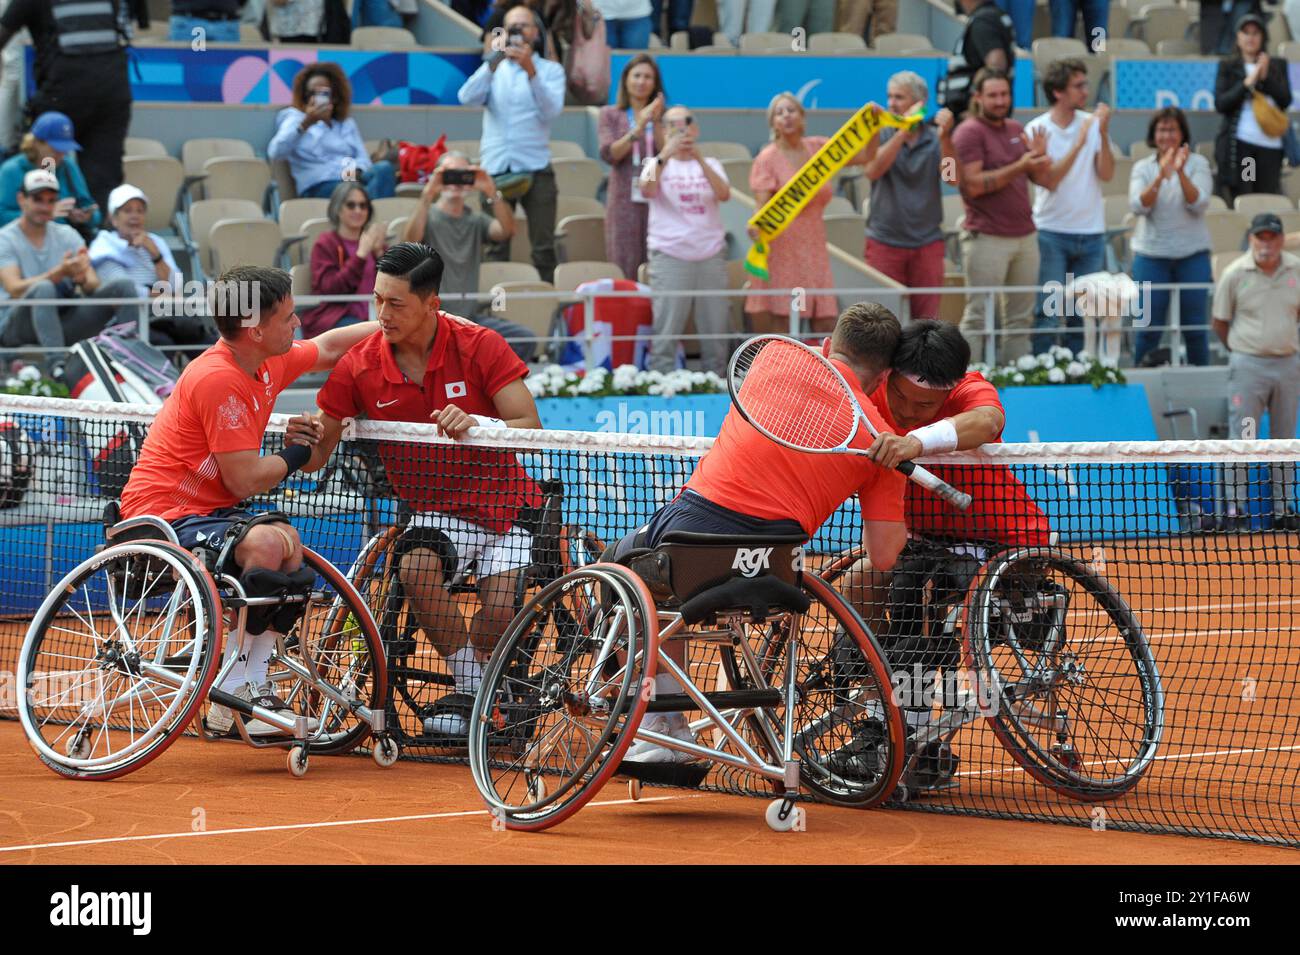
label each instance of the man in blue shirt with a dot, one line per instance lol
(523, 93)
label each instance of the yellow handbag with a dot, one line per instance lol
(1272, 121)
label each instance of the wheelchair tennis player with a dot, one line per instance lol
(748, 485)
(202, 457)
(425, 365)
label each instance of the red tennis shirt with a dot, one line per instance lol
(469, 364)
(1001, 509)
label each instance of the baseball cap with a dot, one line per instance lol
(1266, 222)
(124, 194)
(38, 180)
(56, 129)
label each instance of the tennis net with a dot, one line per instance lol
(1166, 682)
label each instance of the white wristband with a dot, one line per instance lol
(937, 438)
(485, 422)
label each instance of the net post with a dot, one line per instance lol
(795, 314)
(990, 345)
(588, 330)
(1175, 324)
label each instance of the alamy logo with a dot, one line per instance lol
(751, 561)
(77, 908)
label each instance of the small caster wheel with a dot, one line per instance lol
(78, 747)
(536, 789)
(793, 817)
(901, 793)
(386, 751)
(634, 789)
(297, 761)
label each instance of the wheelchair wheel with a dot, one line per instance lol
(1066, 671)
(563, 695)
(118, 659)
(338, 635)
(848, 733)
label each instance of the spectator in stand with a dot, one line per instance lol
(905, 221)
(1218, 22)
(745, 16)
(296, 21)
(627, 23)
(42, 259)
(1169, 192)
(51, 141)
(813, 16)
(999, 247)
(1095, 13)
(868, 18)
(322, 142)
(523, 94)
(1069, 211)
(1022, 20)
(495, 34)
(1256, 307)
(343, 260)
(630, 132)
(687, 243)
(679, 17)
(213, 21)
(1246, 72)
(986, 43)
(798, 257)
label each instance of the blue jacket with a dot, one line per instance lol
(72, 184)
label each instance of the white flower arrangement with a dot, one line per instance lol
(28, 380)
(1059, 366)
(554, 382)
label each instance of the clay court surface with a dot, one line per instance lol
(346, 810)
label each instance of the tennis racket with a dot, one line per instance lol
(796, 397)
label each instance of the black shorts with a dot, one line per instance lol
(695, 514)
(208, 530)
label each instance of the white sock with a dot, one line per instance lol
(466, 670)
(260, 649)
(236, 677)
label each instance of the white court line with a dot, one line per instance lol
(307, 825)
(1229, 605)
(1154, 759)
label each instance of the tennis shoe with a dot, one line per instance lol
(221, 719)
(666, 724)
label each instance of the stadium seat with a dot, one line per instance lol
(393, 207)
(836, 43)
(466, 147)
(284, 184)
(494, 273)
(566, 206)
(570, 275)
(161, 179)
(724, 151)
(1217, 204)
(248, 33)
(847, 231)
(204, 214)
(139, 146)
(1227, 230)
(1206, 149)
(382, 38)
(1140, 150)
(521, 245)
(1049, 48)
(839, 206)
(1119, 225)
(1291, 185)
(1221, 260)
(535, 314)
(579, 238)
(577, 177)
(715, 48)
(680, 42)
(237, 178)
(243, 242)
(310, 230)
(737, 171)
(395, 229)
(901, 43)
(1118, 185)
(1120, 45)
(1290, 221)
(301, 276)
(1116, 24)
(1160, 21)
(1254, 203)
(196, 152)
(1176, 47)
(766, 43)
(563, 149)
(1290, 50)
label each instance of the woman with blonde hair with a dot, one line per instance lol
(798, 257)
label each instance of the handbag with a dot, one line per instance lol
(415, 162)
(513, 185)
(1272, 121)
(588, 64)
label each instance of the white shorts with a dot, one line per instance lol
(493, 553)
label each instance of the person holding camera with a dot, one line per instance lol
(523, 94)
(322, 142)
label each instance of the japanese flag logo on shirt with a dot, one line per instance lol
(456, 389)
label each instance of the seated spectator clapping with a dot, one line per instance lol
(343, 260)
(322, 142)
(51, 141)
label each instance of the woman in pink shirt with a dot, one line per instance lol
(686, 243)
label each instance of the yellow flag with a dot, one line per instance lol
(790, 199)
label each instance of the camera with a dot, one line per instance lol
(458, 177)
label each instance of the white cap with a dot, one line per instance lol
(124, 194)
(39, 179)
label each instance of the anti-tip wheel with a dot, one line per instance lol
(78, 747)
(774, 820)
(297, 761)
(536, 789)
(634, 789)
(386, 751)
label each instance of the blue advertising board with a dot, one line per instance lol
(1152, 84)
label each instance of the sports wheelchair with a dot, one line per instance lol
(1043, 647)
(124, 651)
(420, 687)
(797, 677)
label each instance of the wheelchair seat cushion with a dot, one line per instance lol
(758, 596)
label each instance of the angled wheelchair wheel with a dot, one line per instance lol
(1064, 672)
(118, 659)
(848, 734)
(563, 695)
(336, 638)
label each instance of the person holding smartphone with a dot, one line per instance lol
(51, 145)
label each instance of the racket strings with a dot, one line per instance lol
(787, 392)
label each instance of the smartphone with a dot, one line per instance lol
(458, 177)
(321, 97)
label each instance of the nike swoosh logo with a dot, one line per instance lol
(385, 404)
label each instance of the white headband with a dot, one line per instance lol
(922, 383)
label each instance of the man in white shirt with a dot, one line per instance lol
(1069, 211)
(523, 93)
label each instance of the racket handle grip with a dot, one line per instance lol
(958, 499)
